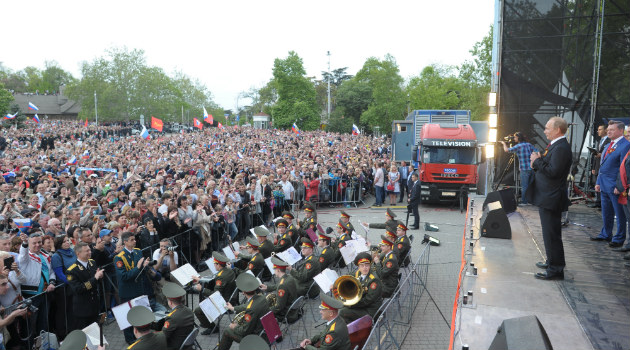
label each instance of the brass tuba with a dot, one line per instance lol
(272, 299)
(347, 289)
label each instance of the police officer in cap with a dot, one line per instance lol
(180, 321)
(141, 319)
(328, 257)
(224, 283)
(255, 307)
(253, 342)
(307, 271)
(372, 291)
(387, 266)
(284, 239)
(286, 291)
(335, 335)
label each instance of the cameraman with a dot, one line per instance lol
(523, 150)
(6, 320)
(166, 259)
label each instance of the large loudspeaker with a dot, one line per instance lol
(507, 197)
(521, 333)
(494, 222)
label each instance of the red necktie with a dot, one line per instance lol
(608, 149)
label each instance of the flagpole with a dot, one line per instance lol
(96, 107)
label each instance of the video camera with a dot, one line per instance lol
(25, 304)
(510, 140)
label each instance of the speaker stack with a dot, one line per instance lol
(507, 197)
(521, 333)
(494, 222)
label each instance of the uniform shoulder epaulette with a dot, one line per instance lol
(372, 276)
(72, 267)
(136, 248)
(121, 254)
(92, 260)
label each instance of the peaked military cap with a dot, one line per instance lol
(390, 213)
(172, 290)
(139, 316)
(253, 342)
(362, 258)
(251, 241)
(75, 340)
(329, 303)
(247, 282)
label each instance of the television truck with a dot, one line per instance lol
(443, 147)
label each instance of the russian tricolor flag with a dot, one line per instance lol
(220, 126)
(355, 130)
(207, 117)
(10, 116)
(72, 161)
(32, 106)
(86, 154)
(145, 133)
(295, 129)
(36, 118)
(240, 156)
(23, 224)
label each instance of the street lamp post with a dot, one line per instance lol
(328, 114)
(96, 107)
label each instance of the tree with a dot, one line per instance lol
(436, 87)
(477, 75)
(297, 99)
(6, 98)
(388, 98)
(353, 98)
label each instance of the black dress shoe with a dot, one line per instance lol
(622, 249)
(615, 244)
(542, 265)
(415, 228)
(549, 276)
(598, 239)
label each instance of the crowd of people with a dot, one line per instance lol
(86, 209)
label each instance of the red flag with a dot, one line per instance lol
(156, 123)
(86, 122)
(197, 123)
(220, 126)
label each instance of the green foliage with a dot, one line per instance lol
(297, 98)
(340, 122)
(6, 98)
(31, 79)
(388, 98)
(127, 87)
(478, 72)
(353, 98)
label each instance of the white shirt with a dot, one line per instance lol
(556, 139)
(287, 188)
(167, 259)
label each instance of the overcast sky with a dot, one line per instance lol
(231, 45)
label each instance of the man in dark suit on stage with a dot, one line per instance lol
(414, 200)
(549, 193)
(606, 184)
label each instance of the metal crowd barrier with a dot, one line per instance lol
(393, 324)
(333, 192)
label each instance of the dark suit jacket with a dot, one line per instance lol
(600, 150)
(549, 187)
(626, 165)
(414, 198)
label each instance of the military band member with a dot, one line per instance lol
(253, 342)
(328, 257)
(335, 335)
(265, 245)
(390, 233)
(255, 308)
(223, 283)
(286, 292)
(309, 221)
(389, 220)
(284, 239)
(180, 321)
(372, 291)
(141, 320)
(387, 266)
(289, 218)
(344, 234)
(345, 219)
(75, 340)
(307, 270)
(83, 277)
(256, 262)
(402, 245)
(133, 278)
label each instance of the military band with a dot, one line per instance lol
(180, 320)
(254, 259)
(224, 283)
(308, 269)
(335, 335)
(372, 297)
(285, 292)
(386, 266)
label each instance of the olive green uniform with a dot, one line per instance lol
(224, 284)
(255, 309)
(177, 326)
(334, 337)
(327, 258)
(150, 341)
(390, 222)
(387, 271)
(305, 274)
(256, 262)
(370, 301)
(402, 246)
(286, 295)
(266, 248)
(283, 243)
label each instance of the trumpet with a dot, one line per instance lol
(239, 318)
(347, 289)
(272, 299)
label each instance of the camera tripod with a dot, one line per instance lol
(511, 163)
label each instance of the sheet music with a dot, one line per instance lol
(184, 274)
(269, 264)
(209, 309)
(354, 235)
(365, 228)
(218, 302)
(236, 246)
(93, 334)
(229, 253)
(210, 263)
(361, 245)
(326, 279)
(348, 253)
(291, 256)
(120, 311)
